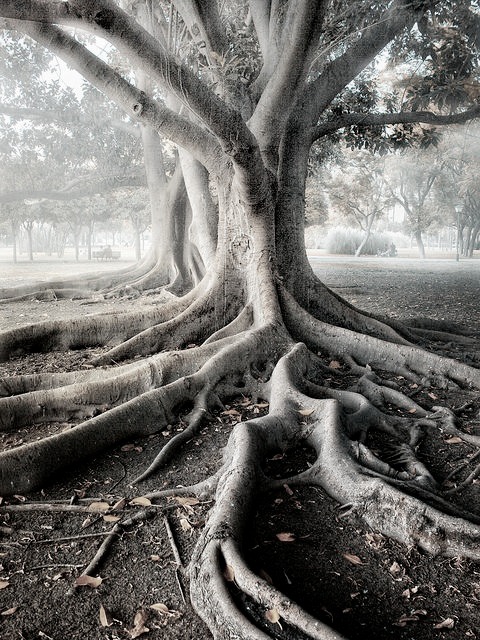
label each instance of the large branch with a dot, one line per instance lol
(204, 23)
(300, 35)
(260, 12)
(346, 67)
(106, 19)
(226, 123)
(78, 188)
(136, 103)
(401, 117)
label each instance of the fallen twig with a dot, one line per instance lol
(117, 530)
(71, 538)
(173, 544)
(176, 555)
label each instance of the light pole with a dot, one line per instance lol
(458, 209)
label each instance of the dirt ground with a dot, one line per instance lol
(353, 578)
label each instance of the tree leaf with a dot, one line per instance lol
(353, 559)
(286, 536)
(334, 364)
(141, 501)
(4, 584)
(448, 623)
(454, 440)
(9, 612)
(88, 581)
(106, 619)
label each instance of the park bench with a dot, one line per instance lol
(102, 254)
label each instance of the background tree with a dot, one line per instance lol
(411, 179)
(360, 194)
(259, 323)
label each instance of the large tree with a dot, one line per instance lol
(259, 322)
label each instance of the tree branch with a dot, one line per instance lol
(144, 50)
(299, 38)
(346, 67)
(105, 18)
(402, 117)
(136, 103)
(204, 23)
(260, 12)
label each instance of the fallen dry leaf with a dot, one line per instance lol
(160, 607)
(163, 610)
(9, 612)
(231, 412)
(98, 507)
(335, 364)
(404, 620)
(4, 584)
(109, 518)
(118, 506)
(139, 624)
(140, 501)
(306, 412)
(187, 501)
(288, 490)
(229, 573)
(185, 524)
(353, 559)
(432, 396)
(88, 581)
(273, 616)
(454, 440)
(128, 447)
(395, 569)
(448, 623)
(286, 536)
(106, 619)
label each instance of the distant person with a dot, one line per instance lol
(107, 253)
(392, 250)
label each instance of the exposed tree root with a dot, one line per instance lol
(280, 357)
(96, 330)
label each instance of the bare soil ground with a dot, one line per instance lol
(353, 578)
